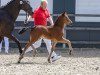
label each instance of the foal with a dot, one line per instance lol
(54, 33)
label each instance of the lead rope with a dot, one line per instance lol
(21, 31)
(26, 19)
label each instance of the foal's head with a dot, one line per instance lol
(25, 5)
(65, 19)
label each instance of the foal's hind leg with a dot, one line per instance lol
(26, 47)
(34, 51)
(17, 41)
(66, 41)
(53, 48)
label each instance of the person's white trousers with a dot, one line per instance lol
(38, 44)
(6, 41)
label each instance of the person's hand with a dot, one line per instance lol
(25, 23)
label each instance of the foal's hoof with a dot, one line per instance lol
(49, 61)
(18, 62)
(20, 53)
(34, 55)
(70, 52)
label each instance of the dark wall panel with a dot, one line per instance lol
(95, 35)
(77, 35)
(70, 6)
(58, 6)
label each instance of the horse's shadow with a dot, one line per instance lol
(29, 63)
(77, 53)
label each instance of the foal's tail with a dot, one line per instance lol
(23, 30)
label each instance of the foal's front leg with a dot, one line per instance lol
(66, 41)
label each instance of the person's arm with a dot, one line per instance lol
(29, 18)
(26, 21)
(51, 20)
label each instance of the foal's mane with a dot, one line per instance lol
(57, 22)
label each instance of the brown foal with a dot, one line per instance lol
(54, 33)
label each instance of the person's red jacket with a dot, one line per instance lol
(40, 16)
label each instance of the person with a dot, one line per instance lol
(41, 14)
(6, 40)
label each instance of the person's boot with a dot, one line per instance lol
(56, 57)
(28, 50)
(0, 50)
(6, 51)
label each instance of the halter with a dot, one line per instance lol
(25, 22)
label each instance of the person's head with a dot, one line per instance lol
(44, 4)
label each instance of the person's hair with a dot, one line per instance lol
(44, 1)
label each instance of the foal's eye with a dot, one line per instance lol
(28, 2)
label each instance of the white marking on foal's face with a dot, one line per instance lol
(21, 2)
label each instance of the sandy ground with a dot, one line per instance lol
(83, 62)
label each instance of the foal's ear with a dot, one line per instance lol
(64, 13)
